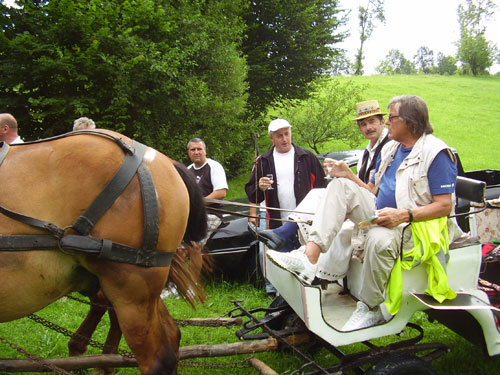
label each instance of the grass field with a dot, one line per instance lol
(462, 109)
(464, 112)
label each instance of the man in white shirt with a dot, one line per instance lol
(210, 177)
(282, 176)
(8, 129)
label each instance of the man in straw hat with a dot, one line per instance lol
(414, 181)
(370, 120)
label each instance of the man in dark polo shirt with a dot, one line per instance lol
(210, 177)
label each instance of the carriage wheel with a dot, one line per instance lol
(402, 365)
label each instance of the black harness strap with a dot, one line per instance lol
(45, 225)
(120, 142)
(146, 255)
(151, 217)
(28, 242)
(104, 249)
(85, 222)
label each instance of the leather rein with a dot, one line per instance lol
(248, 205)
(83, 242)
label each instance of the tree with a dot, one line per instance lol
(326, 115)
(446, 65)
(475, 52)
(288, 44)
(373, 11)
(396, 63)
(158, 71)
(424, 60)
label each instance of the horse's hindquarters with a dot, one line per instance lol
(31, 280)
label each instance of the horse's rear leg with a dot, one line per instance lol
(112, 341)
(79, 341)
(78, 344)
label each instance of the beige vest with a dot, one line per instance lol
(412, 185)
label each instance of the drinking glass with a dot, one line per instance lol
(271, 177)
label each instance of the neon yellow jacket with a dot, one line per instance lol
(431, 244)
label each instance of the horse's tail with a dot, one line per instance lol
(196, 229)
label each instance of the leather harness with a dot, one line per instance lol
(146, 255)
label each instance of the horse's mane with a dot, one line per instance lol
(196, 228)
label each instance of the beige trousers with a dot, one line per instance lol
(345, 199)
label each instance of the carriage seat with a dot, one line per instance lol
(467, 191)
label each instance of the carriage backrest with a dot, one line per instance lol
(467, 190)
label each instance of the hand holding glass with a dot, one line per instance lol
(328, 164)
(271, 178)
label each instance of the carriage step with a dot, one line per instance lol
(463, 301)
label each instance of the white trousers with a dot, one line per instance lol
(333, 264)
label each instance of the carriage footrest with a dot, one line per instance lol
(463, 301)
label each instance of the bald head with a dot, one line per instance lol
(8, 127)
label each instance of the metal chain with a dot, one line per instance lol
(179, 322)
(34, 358)
(68, 333)
(243, 363)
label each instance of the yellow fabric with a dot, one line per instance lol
(430, 237)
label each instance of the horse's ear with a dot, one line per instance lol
(196, 229)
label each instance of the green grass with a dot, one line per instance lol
(464, 358)
(464, 112)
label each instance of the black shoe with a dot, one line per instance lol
(271, 239)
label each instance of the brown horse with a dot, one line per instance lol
(55, 181)
(185, 275)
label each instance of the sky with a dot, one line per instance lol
(409, 25)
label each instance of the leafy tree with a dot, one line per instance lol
(288, 44)
(395, 63)
(424, 60)
(155, 70)
(475, 52)
(326, 115)
(373, 11)
(446, 65)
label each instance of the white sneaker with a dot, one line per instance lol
(295, 262)
(363, 317)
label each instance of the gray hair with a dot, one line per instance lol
(196, 140)
(83, 123)
(413, 110)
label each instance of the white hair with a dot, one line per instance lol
(83, 123)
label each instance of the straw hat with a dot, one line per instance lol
(367, 109)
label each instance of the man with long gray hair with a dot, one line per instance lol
(413, 183)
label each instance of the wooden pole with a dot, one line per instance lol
(261, 367)
(116, 360)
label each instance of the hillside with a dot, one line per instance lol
(464, 110)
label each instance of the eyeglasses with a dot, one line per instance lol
(390, 118)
